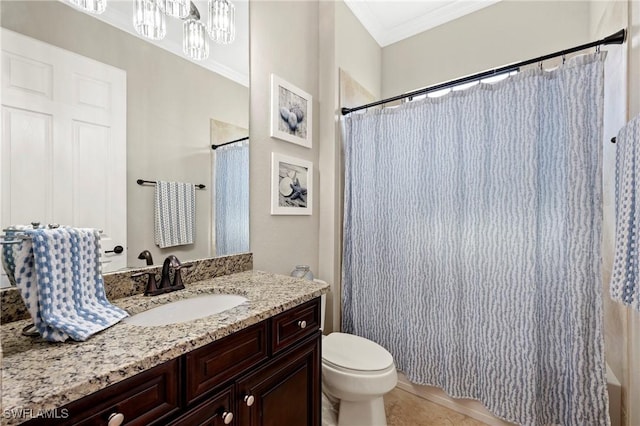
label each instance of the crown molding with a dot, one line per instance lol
(385, 34)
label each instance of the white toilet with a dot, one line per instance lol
(356, 373)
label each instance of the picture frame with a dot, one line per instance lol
(297, 105)
(291, 185)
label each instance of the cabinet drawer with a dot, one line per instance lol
(143, 399)
(211, 412)
(212, 365)
(290, 326)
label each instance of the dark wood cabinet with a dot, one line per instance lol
(213, 412)
(284, 392)
(267, 374)
(145, 398)
(293, 325)
(213, 364)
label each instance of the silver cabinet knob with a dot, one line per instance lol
(227, 417)
(302, 324)
(249, 400)
(115, 419)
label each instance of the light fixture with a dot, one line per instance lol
(221, 25)
(194, 39)
(148, 19)
(175, 8)
(92, 6)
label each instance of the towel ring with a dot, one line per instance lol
(30, 331)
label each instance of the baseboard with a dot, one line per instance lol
(467, 407)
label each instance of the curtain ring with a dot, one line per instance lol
(564, 59)
(598, 49)
(540, 65)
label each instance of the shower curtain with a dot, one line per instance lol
(472, 242)
(232, 199)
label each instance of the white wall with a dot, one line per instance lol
(170, 102)
(284, 41)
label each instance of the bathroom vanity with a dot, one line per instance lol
(256, 364)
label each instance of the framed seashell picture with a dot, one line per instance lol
(291, 112)
(291, 185)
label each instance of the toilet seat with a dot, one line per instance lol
(350, 353)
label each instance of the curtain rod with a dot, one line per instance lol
(617, 38)
(230, 142)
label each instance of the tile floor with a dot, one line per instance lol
(406, 409)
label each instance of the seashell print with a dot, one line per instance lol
(298, 112)
(293, 121)
(284, 113)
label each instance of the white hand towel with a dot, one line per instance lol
(625, 278)
(175, 210)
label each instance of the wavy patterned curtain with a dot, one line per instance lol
(232, 199)
(472, 229)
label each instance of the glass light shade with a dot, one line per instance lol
(222, 21)
(194, 42)
(148, 19)
(175, 8)
(91, 6)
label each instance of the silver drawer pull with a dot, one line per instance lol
(249, 400)
(302, 324)
(115, 419)
(227, 417)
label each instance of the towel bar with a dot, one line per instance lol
(20, 235)
(153, 182)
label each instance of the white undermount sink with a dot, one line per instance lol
(186, 310)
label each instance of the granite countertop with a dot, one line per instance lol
(38, 375)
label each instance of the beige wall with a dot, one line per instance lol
(622, 325)
(169, 104)
(506, 32)
(284, 41)
(356, 51)
(605, 19)
(346, 45)
(633, 391)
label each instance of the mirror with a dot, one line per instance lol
(175, 110)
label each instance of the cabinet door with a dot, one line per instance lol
(216, 411)
(284, 392)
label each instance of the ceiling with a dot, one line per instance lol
(231, 61)
(389, 21)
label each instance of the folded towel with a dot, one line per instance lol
(175, 213)
(58, 274)
(625, 279)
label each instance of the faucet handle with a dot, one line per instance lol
(177, 279)
(152, 287)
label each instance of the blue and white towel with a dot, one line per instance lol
(625, 279)
(59, 276)
(9, 250)
(175, 213)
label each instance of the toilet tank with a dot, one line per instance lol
(323, 303)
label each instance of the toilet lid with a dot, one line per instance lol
(355, 353)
